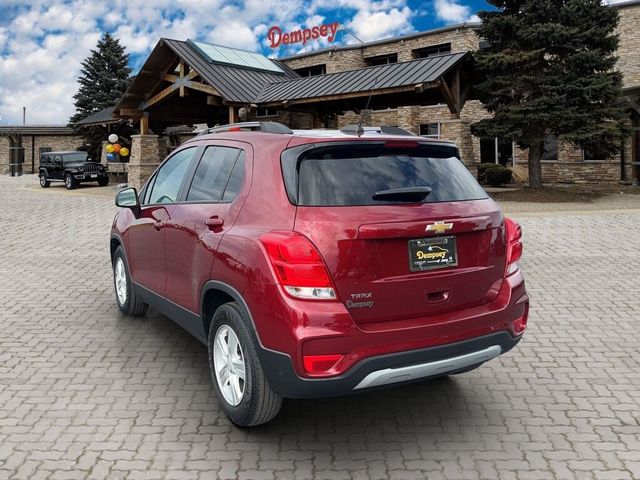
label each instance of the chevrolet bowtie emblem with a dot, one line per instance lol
(439, 227)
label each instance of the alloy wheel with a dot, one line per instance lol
(229, 365)
(121, 281)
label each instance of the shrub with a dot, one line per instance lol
(519, 174)
(497, 176)
(482, 169)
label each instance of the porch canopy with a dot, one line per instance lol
(193, 82)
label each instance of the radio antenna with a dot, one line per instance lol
(360, 130)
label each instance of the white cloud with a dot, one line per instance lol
(43, 42)
(453, 12)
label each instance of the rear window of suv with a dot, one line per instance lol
(351, 174)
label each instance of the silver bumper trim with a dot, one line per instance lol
(439, 367)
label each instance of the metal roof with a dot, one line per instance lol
(235, 83)
(402, 74)
(36, 130)
(101, 117)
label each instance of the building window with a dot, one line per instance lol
(432, 51)
(312, 71)
(594, 154)
(266, 112)
(550, 148)
(382, 59)
(430, 130)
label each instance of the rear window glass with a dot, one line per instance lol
(341, 175)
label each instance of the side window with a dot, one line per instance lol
(167, 180)
(218, 176)
(57, 160)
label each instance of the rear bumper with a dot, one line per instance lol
(385, 370)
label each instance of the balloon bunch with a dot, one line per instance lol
(114, 149)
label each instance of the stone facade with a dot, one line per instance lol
(32, 145)
(461, 38)
(4, 155)
(147, 152)
(570, 167)
(629, 48)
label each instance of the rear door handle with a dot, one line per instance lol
(158, 224)
(214, 223)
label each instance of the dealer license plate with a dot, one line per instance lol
(430, 253)
(95, 175)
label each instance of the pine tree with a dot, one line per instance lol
(549, 70)
(103, 79)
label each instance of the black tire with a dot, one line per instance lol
(259, 403)
(103, 182)
(70, 182)
(132, 305)
(44, 183)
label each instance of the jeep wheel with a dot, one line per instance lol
(44, 183)
(128, 301)
(70, 182)
(103, 182)
(238, 379)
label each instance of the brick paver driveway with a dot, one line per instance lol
(85, 392)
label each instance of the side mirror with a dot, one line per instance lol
(128, 198)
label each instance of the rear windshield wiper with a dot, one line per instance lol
(407, 194)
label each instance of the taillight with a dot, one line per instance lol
(319, 364)
(513, 233)
(298, 266)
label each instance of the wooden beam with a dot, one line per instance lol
(202, 87)
(144, 124)
(181, 70)
(449, 96)
(232, 115)
(159, 96)
(130, 112)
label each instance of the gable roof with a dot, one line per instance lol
(235, 83)
(101, 117)
(242, 85)
(393, 75)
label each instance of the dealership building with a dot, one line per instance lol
(420, 82)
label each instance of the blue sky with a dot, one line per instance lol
(42, 42)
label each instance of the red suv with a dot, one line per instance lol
(321, 263)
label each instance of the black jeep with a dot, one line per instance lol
(71, 168)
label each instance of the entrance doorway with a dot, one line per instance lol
(496, 150)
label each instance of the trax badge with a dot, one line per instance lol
(439, 227)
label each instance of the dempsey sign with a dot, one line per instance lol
(277, 38)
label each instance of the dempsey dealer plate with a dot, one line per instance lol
(430, 253)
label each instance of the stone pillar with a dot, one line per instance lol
(4, 155)
(147, 152)
(408, 118)
(459, 132)
(103, 153)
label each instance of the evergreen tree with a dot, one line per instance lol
(549, 70)
(103, 79)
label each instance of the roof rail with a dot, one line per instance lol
(266, 127)
(386, 129)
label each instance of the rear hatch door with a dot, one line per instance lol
(404, 228)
